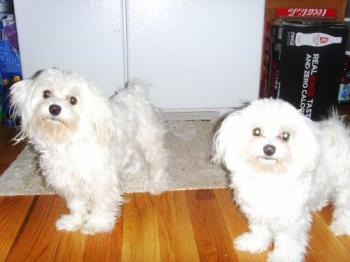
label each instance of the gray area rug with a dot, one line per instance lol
(189, 145)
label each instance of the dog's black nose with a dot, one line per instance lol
(269, 150)
(55, 110)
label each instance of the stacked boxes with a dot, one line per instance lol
(306, 64)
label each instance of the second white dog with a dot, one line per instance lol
(282, 167)
(86, 142)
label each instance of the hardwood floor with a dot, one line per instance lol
(194, 225)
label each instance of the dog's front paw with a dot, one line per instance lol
(251, 242)
(284, 256)
(69, 223)
(276, 257)
(98, 224)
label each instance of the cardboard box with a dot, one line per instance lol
(306, 64)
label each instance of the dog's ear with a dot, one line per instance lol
(18, 101)
(306, 146)
(101, 119)
(227, 135)
(104, 128)
(18, 93)
(225, 139)
(21, 89)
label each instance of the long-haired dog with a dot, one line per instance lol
(86, 141)
(282, 167)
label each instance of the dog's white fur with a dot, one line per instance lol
(93, 140)
(277, 192)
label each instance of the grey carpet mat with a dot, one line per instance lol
(189, 145)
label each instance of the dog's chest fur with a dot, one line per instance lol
(74, 167)
(267, 197)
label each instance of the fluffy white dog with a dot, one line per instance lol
(282, 167)
(86, 142)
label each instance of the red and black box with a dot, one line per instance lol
(306, 60)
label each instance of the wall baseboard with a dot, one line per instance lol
(194, 114)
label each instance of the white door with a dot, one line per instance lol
(84, 36)
(197, 53)
(194, 54)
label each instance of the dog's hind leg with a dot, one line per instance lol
(155, 155)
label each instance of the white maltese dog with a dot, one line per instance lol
(86, 142)
(282, 167)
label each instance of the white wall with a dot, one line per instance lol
(195, 54)
(198, 53)
(79, 35)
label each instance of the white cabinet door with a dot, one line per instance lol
(194, 54)
(197, 53)
(79, 35)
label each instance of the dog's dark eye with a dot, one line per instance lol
(47, 94)
(285, 136)
(256, 131)
(73, 100)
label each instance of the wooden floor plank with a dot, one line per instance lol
(40, 241)
(235, 223)
(213, 240)
(323, 245)
(140, 229)
(176, 226)
(105, 247)
(177, 241)
(326, 214)
(13, 213)
(65, 246)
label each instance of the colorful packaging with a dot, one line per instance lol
(3, 94)
(7, 81)
(306, 64)
(344, 89)
(10, 66)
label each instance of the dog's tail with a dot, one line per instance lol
(334, 116)
(137, 89)
(335, 126)
(134, 91)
